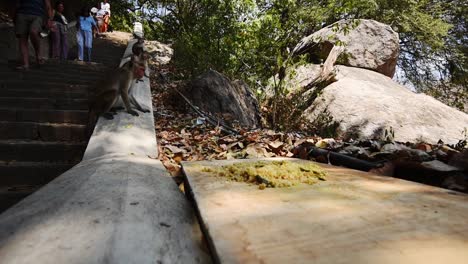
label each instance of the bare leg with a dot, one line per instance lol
(23, 44)
(55, 43)
(64, 42)
(35, 40)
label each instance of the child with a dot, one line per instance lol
(94, 11)
(84, 35)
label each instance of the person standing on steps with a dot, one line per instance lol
(105, 7)
(105, 20)
(100, 19)
(59, 33)
(84, 35)
(29, 19)
(94, 12)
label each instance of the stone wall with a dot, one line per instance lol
(9, 49)
(8, 42)
(71, 6)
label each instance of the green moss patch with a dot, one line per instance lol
(273, 174)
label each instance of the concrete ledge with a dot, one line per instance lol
(116, 206)
(113, 209)
(126, 134)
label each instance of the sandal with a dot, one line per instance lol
(41, 61)
(22, 68)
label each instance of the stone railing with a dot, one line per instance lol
(119, 205)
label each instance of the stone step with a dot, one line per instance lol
(50, 93)
(44, 115)
(42, 85)
(44, 103)
(62, 65)
(75, 67)
(42, 131)
(82, 65)
(108, 60)
(30, 173)
(34, 78)
(10, 195)
(52, 71)
(15, 150)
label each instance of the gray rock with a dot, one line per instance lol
(356, 151)
(438, 166)
(457, 182)
(215, 93)
(297, 78)
(393, 147)
(160, 53)
(460, 160)
(370, 45)
(366, 104)
(420, 155)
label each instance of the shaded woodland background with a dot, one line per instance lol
(251, 40)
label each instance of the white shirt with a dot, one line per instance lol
(101, 13)
(105, 7)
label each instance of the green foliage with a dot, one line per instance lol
(252, 40)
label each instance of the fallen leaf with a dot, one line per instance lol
(174, 149)
(275, 144)
(255, 151)
(178, 157)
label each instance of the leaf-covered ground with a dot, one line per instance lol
(184, 135)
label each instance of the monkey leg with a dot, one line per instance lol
(108, 115)
(133, 112)
(104, 102)
(117, 108)
(137, 105)
(124, 88)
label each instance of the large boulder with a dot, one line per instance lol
(215, 93)
(365, 104)
(370, 45)
(160, 53)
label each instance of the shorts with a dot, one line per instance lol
(24, 24)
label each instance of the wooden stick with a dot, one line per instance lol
(343, 160)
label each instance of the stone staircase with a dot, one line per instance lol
(43, 119)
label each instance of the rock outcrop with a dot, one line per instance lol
(370, 45)
(215, 93)
(365, 104)
(160, 53)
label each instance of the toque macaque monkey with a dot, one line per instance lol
(118, 83)
(139, 54)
